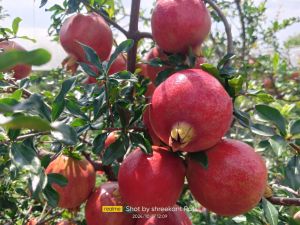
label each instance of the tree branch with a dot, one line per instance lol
(284, 201)
(243, 34)
(226, 24)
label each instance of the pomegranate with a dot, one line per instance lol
(151, 180)
(180, 24)
(146, 121)
(190, 111)
(176, 216)
(118, 65)
(81, 180)
(106, 195)
(91, 30)
(32, 221)
(20, 71)
(111, 138)
(234, 181)
(199, 60)
(268, 83)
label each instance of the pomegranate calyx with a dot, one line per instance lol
(181, 135)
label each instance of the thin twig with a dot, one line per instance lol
(243, 34)
(226, 24)
(284, 201)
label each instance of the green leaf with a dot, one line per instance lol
(91, 56)
(98, 143)
(125, 46)
(37, 182)
(43, 2)
(124, 115)
(59, 102)
(242, 117)
(88, 69)
(275, 62)
(278, 144)
(163, 75)
(262, 130)
(51, 196)
(272, 115)
(15, 25)
(138, 140)
(5, 108)
(292, 173)
(17, 94)
(225, 60)
(13, 134)
(73, 108)
(36, 57)
(236, 83)
(200, 157)
(114, 151)
(57, 179)
(270, 212)
(25, 156)
(25, 122)
(99, 105)
(295, 128)
(64, 133)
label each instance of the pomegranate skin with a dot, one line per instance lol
(78, 172)
(196, 99)
(20, 71)
(234, 181)
(172, 218)
(180, 24)
(111, 138)
(146, 121)
(106, 195)
(151, 180)
(91, 30)
(32, 221)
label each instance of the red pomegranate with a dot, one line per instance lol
(91, 30)
(66, 222)
(146, 121)
(180, 24)
(106, 195)
(19, 71)
(152, 71)
(81, 180)
(190, 111)
(118, 65)
(234, 181)
(176, 216)
(151, 180)
(199, 60)
(111, 138)
(32, 221)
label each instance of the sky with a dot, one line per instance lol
(35, 22)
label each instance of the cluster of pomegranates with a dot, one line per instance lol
(187, 118)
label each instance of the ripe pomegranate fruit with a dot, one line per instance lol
(106, 195)
(66, 222)
(91, 30)
(111, 138)
(234, 181)
(180, 24)
(151, 180)
(146, 121)
(190, 110)
(118, 65)
(152, 71)
(32, 221)
(175, 217)
(81, 180)
(20, 71)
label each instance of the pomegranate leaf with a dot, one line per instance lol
(43, 2)
(114, 151)
(98, 143)
(295, 128)
(25, 122)
(57, 179)
(200, 157)
(51, 195)
(270, 212)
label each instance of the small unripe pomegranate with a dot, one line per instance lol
(175, 217)
(106, 195)
(81, 180)
(234, 181)
(151, 180)
(268, 83)
(180, 24)
(111, 138)
(20, 71)
(190, 111)
(91, 30)
(146, 121)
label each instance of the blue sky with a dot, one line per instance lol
(36, 21)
